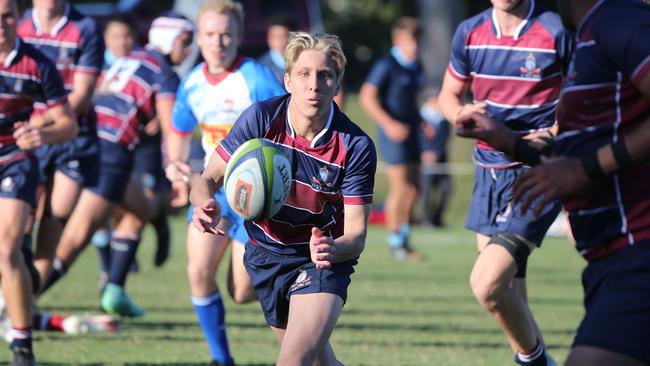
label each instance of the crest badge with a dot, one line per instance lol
(7, 185)
(530, 68)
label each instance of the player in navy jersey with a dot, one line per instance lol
(72, 41)
(27, 78)
(300, 261)
(599, 165)
(513, 57)
(389, 96)
(212, 96)
(129, 94)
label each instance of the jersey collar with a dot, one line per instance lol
(315, 140)
(216, 79)
(520, 27)
(12, 55)
(58, 26)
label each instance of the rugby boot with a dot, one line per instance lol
(115, 301)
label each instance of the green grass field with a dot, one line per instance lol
(397, 313)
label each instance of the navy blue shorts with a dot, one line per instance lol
(617, 303)
(147, 164)
(78, 159)
(394, 153)
(19, 180)
(116, 164)
(276, 277)
(491, 210)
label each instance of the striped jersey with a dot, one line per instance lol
(336, 168)
(27, 78)
(126, 95)
(519, 77)
(75, 45)
(215, 102)
(600, 103)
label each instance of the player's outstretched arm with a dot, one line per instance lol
(207, 213)
(562, 176)
(325, 250)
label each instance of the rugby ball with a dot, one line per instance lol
(257, 179)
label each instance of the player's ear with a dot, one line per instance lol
(287, 81)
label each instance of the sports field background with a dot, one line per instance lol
(397, 313)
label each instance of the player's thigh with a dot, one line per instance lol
(13, 219)
(593, 356)
(239, 272)
(64, 195)
(279, 333)
(91, 212)
(204, 251)
(312, 318)
(495, 266)
(136, 201)
(481, 241)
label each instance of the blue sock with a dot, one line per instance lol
(123, 248)
(102, 240)
(212, 318)
(405, 230)
(396, 240)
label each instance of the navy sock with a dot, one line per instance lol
(211, 315)
(123, 249)
(58, 270)
(102, 241)
(535, 358)
(21, 339)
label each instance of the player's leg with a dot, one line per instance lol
(239, 282)
(60, 202)
(312, 318)
(443, 191)
(401, 197)
(204, 253)
(594, 356)
(16, 283)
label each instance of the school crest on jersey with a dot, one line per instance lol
(530, 68)
(7, 185)
(324, 175)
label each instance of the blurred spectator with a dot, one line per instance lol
(277, 37)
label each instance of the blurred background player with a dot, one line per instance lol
(28, 78)
(389, 96)
(73, 43)
(277, 38)
(513, 56)
(435, 181)
(129, 94)
(212, 96)
(300, 261)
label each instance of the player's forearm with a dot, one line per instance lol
(370, 103)
(178, 146)
(349, 246)
(449, 105)
(64, 128)
(80, 100)
(203, 189)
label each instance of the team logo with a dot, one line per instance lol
(530, 69)
(302, 281)
(243, 192)
(505, 215)
(324, 175)
(7, 185)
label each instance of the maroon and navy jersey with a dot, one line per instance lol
(519, 77)
(27, 78)
(74, 45)
(336, 168)
(126, 95)
(600, 103)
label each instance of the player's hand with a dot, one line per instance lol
(397, 131)
(557, 177)
(479, 126)
(180, 193)
(27, 136)
(178, 171)
(207, 216)
(478, 107)
(321, 248)
(152, 127)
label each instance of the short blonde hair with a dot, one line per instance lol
(224, 7)
(329, 44)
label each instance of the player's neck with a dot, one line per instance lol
(510, 20)
(48, 18)
(307, 128)
(5, 50)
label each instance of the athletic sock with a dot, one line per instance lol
(58, 270)
(211, 314)
(395, 240)
(123, 249)
(102, 240)
(21, 339)
(533, 358)
(405, 230)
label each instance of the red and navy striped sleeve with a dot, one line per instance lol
(92, 47)
(359, 179)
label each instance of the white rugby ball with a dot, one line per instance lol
(257, 179)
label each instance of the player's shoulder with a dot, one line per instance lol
(29, 51)
(194, 78)
(353, 136)
(616, 18)
(147, 58)
(472, 23)
(250, 67)
(87, 25)
(550, 20)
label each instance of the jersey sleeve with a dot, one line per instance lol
(379, 73)
(359, 178)
(565, 46)
(183, 119)
(92, 52)
(459, 65)
(51, 84)
(261, 82)
(625, 41)
(168, 81)
(248, 126)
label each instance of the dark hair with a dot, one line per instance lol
(282, 20)
(407, 25)
(122, 19)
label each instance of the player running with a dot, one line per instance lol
(28, 78)
(213, 95)
(513, 57)
(300, 261)
(72, 42)
(598, 165)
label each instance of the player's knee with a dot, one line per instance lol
(241, 295)
(61, 218)
(517, 247)
(198, 276)
(487, 293)
(303, 356)
(10, 254)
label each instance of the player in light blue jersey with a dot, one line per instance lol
(212, 96)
